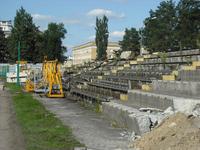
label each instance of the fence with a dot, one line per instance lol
(4, 68)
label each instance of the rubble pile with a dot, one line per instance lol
(177, 132)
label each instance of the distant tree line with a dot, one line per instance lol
(34, 43)
(168, 28)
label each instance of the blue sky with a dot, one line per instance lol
(79, 15)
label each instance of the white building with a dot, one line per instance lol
(87, 52)
(6, 27)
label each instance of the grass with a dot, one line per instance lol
(41, 129)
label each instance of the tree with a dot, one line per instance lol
(188, 28)
(52, 42)
(101, 37)
(159, 33)
(3, 48)
(25, 31)
(131, 41)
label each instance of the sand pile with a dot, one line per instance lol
(178, 132)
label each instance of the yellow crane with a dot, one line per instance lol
(52, 79)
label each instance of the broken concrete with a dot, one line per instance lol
(131, 118)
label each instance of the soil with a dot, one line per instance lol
(10, 132)
(177, 132)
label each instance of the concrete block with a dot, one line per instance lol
(144, 124)
(126, 65)
(168, 77)
(146, 87)
(140, 59)
(196, 63)
(185, 105)
(127, 117)
(147, 56)
(189, 67)
(123, 97)
(156, 53)
(133, 62)
(100, 77)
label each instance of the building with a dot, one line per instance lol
(87, 52)
(68, 63)
(6, 27)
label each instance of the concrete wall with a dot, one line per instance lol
(189, 75)
(145, 99)
(181, 88)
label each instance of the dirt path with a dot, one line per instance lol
(10, 135)
(89, 128)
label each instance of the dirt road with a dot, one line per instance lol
(10, 135)
(88, 127)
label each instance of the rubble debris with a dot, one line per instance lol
(196, 111)
(169, 111)
(148, 109)
(177, 132)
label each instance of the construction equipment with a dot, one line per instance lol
(29, 86)
(52, 78)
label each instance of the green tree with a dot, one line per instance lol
(25, 31)
(52, 46)
(159, 33)
(188, 28)
(131, 41)
(101, 39)
(3, 48)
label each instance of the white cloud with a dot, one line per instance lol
(41, 17)
(108, 13)
(117, 34)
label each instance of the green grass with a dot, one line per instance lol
(41, 129)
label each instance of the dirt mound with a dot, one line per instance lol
(178, 132)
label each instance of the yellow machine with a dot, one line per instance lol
(52, 78)
(29, 86)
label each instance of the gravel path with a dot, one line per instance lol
(10, 135)
(88, 127)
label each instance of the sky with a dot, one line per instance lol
(79, 16)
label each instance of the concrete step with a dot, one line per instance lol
(141, 99)
(145, 99)
(187, 89)
(189, 75)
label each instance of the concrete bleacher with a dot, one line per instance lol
(139, 71)
(145, 82)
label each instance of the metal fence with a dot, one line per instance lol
(4, 68)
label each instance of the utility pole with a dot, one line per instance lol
(18, 62)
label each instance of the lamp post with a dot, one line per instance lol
(18, 62)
